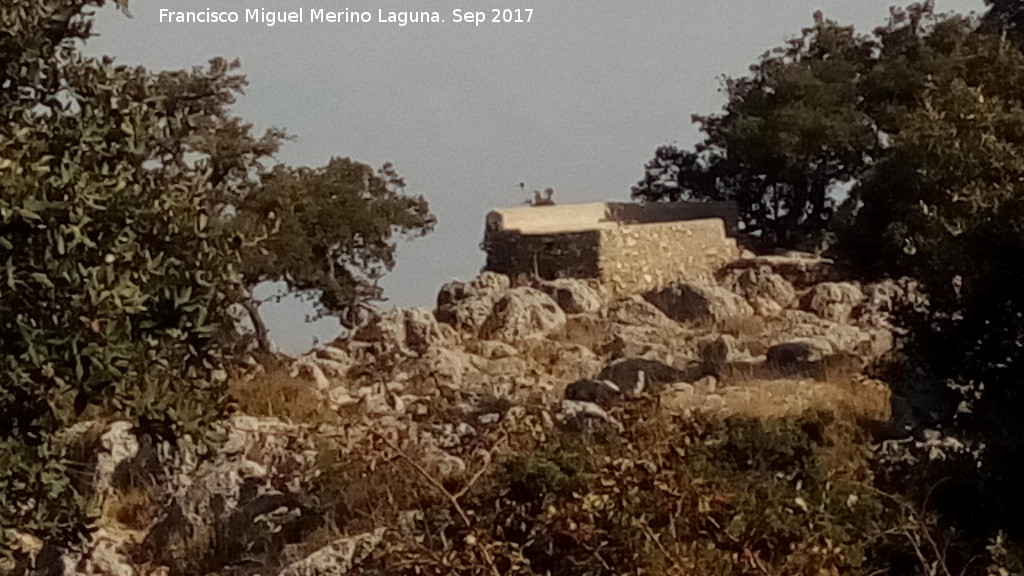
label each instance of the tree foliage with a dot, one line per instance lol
(130, 231)
(814, 116)
(948, 208)
(921, 127)
(332, 231)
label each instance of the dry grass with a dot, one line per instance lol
(276, 393)
(742, 326)
(132, 508)
(781, 398)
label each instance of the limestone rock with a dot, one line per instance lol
(491, 349)
(700, 303)
(522, 314)
(833, 301)
(406, 331)
(799, 269)
(421, 329)
(467, 305)
(572, 295)
(118, 444)
(760, 286)
(337, 558)
(636, 311)
(869, 343)
(787, 356)
(586, 416)
(720, 350)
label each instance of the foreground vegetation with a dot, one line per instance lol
(136, 215)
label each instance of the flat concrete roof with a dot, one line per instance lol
(598, 215)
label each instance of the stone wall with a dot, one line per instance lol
(629, 248)
(565, 255)
(647, 257)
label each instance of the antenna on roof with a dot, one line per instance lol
(538, 200)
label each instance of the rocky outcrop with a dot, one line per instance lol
(705, 303)
(337, 558)
(834, 301)
(239, 499)
(522, 314)
(415, 385)
(572, 295)
(788, 356)
(467, 305)
(800, 269)
(767, 292)
(406, 331)
(718, 351)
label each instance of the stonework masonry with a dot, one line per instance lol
(628, 248)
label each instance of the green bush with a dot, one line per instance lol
(116, 275)
(685, 496)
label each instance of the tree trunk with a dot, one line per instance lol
(262, 334)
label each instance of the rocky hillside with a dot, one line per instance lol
(392, 450)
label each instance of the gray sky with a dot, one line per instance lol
(577, 99)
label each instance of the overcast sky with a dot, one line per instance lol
(577, 99)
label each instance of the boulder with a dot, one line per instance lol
(405, 331)
(720, 350)
(572, 295)
(467, 305)
(799, 269)
(696, 302)
(522, 314)
(632, 376)
(491, 349)
(796, 354)
(833, 301)
(761, 287)
(244, 496)
(587, 416)
(421, 329)
(869, 343)
(337, 558)
(117, 445)
(386, 331)
(636, 311)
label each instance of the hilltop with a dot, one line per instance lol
(520, 427)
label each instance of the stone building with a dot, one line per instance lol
(628, 247)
